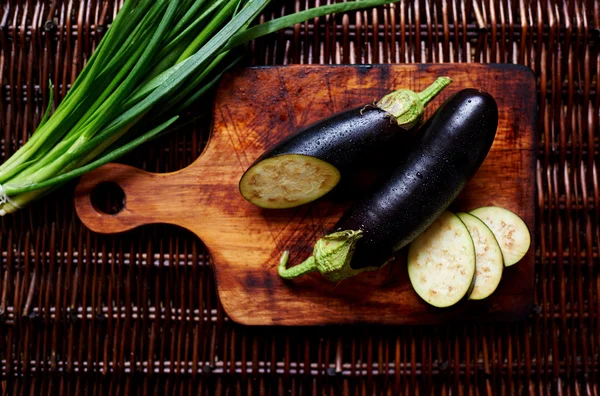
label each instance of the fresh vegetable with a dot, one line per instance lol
(444, 155)
(157, 58)
(441, 262)
(509, 229)
(488, 262)
(309, 163)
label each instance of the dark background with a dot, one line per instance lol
(136, 313)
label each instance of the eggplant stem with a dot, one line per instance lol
(435, 88)
(307, 266)
(407, 107)
(331, 256)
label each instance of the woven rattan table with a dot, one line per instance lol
(137, 313)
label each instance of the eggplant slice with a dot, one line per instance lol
(488, 262)
(509, 229)
(441, 262)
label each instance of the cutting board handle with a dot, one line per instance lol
(149, 198)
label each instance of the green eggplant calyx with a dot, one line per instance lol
(407, 107)
(331, 256)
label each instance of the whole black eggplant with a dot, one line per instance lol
(310, 162)
(444, 156)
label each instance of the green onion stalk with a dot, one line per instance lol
(157, 58)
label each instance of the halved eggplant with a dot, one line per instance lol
(509, 229)
(444, 156)
(309, 163)
(488, 262)
(441, 262)
(288, 180)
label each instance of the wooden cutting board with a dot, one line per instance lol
(255, 108)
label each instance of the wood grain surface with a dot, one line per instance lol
(254, 108)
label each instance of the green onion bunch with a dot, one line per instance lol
(157, 58)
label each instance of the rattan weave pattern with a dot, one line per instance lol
(137, 313)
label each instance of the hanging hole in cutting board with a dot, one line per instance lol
(108, 198)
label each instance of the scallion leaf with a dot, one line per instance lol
(156, 53)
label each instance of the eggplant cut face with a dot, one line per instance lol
(441, 262)
(488, 263)
(288, 180)
(509, 229)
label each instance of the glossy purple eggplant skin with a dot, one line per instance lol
(344, 140)
(445, 154)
